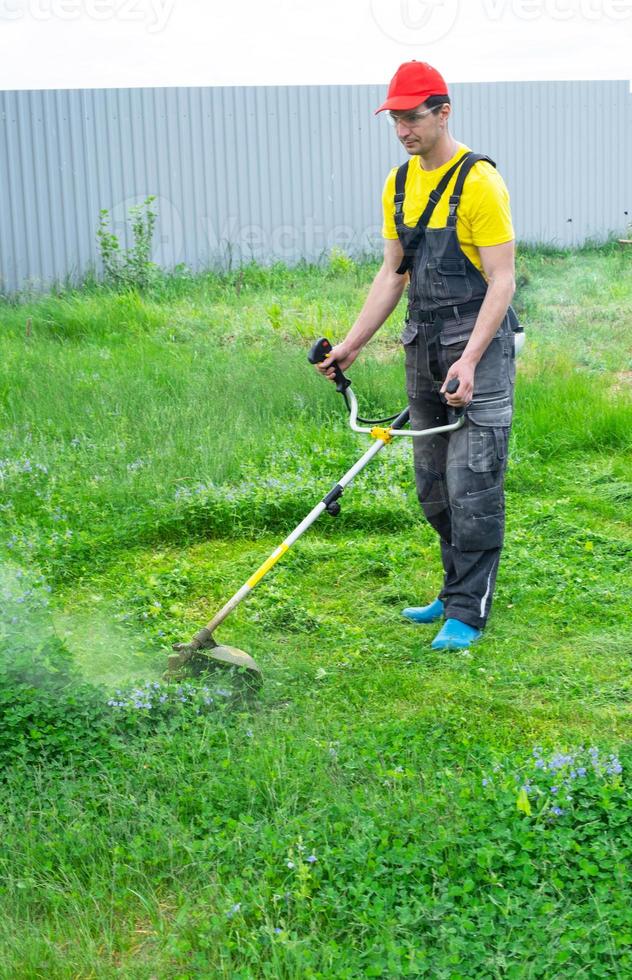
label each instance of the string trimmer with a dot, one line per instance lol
(203, 644)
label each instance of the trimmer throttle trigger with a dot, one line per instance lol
(322, 349)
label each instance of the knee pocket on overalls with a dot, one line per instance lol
(431, 491)
(478, 518)
(433, 497)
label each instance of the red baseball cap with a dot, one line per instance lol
(412, 84)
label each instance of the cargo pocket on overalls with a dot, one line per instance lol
(449, 280)
(490, 377)
(481, 450)
(490, 413)
(488, 436)
(501, 437)
(510, 359)
(452, 341)
(411, 353)
(478, 512)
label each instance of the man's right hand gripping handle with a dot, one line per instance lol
(318, 353)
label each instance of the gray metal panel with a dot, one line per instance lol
(561, 147)
(284, 172)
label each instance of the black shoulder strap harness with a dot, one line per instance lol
(410, 238)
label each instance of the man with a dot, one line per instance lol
(448, 234)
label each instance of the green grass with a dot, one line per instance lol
(153, 450)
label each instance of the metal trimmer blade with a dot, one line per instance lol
(209, 654)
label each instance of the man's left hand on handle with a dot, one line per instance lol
(464, 371)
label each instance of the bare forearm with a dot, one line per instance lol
(384, 295)
(497, 299)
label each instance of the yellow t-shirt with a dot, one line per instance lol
(484, 214)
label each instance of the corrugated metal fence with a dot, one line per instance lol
(285, 173)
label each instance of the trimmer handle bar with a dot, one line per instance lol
(323, 348)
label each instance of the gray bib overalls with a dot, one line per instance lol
(459, 476)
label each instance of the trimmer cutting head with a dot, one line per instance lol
(210, 654)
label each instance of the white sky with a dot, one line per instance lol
(130, 43)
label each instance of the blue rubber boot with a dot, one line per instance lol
(424, 614)
(455, 635)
